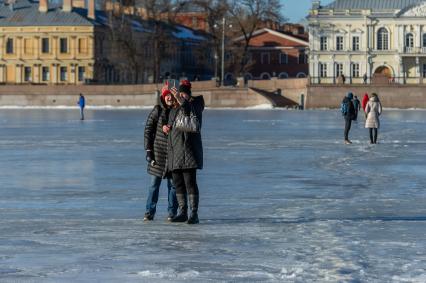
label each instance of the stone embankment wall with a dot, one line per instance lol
(120, 95)
(290, 88)
(392, 96)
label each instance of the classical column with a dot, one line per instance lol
(18, 78)
(348, 68)
(348, 41)
(418, 70)
(72, 73)
(417, 38)
(73, 46)
(37, 47)
(54, 75)
(2, 73)
(2, 45)
(333, 58)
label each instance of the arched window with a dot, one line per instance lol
(409, 40)
(382, 39)
(301, 75)
(283, 75)
(265, 76)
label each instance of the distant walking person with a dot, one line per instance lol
(357, 106)
(365, 101)
(373, 110)
(81, 103)
(364, 78)
(348, 112)
(185, 154)
(156, 155)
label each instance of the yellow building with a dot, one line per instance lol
(46, 45)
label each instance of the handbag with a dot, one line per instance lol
(187, 123)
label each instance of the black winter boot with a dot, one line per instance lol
(193, 201)
(183, 209)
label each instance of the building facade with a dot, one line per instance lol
(368, 41)
(276, 54)
(41, 44)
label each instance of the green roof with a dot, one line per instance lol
(372, 4)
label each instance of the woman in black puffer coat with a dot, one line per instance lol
(185, 154)
(156, 155)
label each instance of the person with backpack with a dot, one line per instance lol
(357, 106)
(373, 110)
(348, 111)
(156, 155)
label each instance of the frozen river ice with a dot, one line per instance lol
(282, 200)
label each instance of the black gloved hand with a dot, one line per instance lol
(149, 156)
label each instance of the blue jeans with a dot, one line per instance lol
(82, 113)
(154, 189)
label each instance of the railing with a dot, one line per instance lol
(367, 80)
(415, 50)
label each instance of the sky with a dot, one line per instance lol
(295, 10)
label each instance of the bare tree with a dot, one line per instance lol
(248, 16)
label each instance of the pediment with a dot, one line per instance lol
(357, 31)
(414, 11)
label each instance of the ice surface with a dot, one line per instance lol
(282, 200)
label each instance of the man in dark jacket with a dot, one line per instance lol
(357, 106)
(349, 115)
(185, 154)
(156, 155)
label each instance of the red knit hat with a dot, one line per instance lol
(164, 93)
(186, 83)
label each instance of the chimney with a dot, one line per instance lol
(91, 9)
(43, 6)
(67, 5)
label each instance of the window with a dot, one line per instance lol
(9, 46)
(355, 43)
(339, 69)
(283, 58)
(302, 58)
(63, 45)
(45, 45)
(82, 46)
(424, 40)
(382, 39)
(409, 40)
(323, 43)
(45, 74)
(339, 43)
(264, 59)
(355, 70)
(63, 74)
(424, 70)
(323, 70)
(27, 74)
(81, 73)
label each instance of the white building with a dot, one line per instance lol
(382, 39)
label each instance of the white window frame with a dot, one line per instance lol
(356, 46)
(383, 40)
(340, 45)
(338, 69)
(409, 40)
(323, 70)
(323, 43)
(355, 73)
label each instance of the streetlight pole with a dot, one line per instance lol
(223, 52)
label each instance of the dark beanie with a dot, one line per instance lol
(185, 88)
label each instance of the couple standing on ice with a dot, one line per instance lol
(372, 109)
(173, 153)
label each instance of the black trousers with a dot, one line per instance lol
(185, 181)
(348, 123)
(373, 135)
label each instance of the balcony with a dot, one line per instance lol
(415, 50)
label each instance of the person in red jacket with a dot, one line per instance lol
(365, 101)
